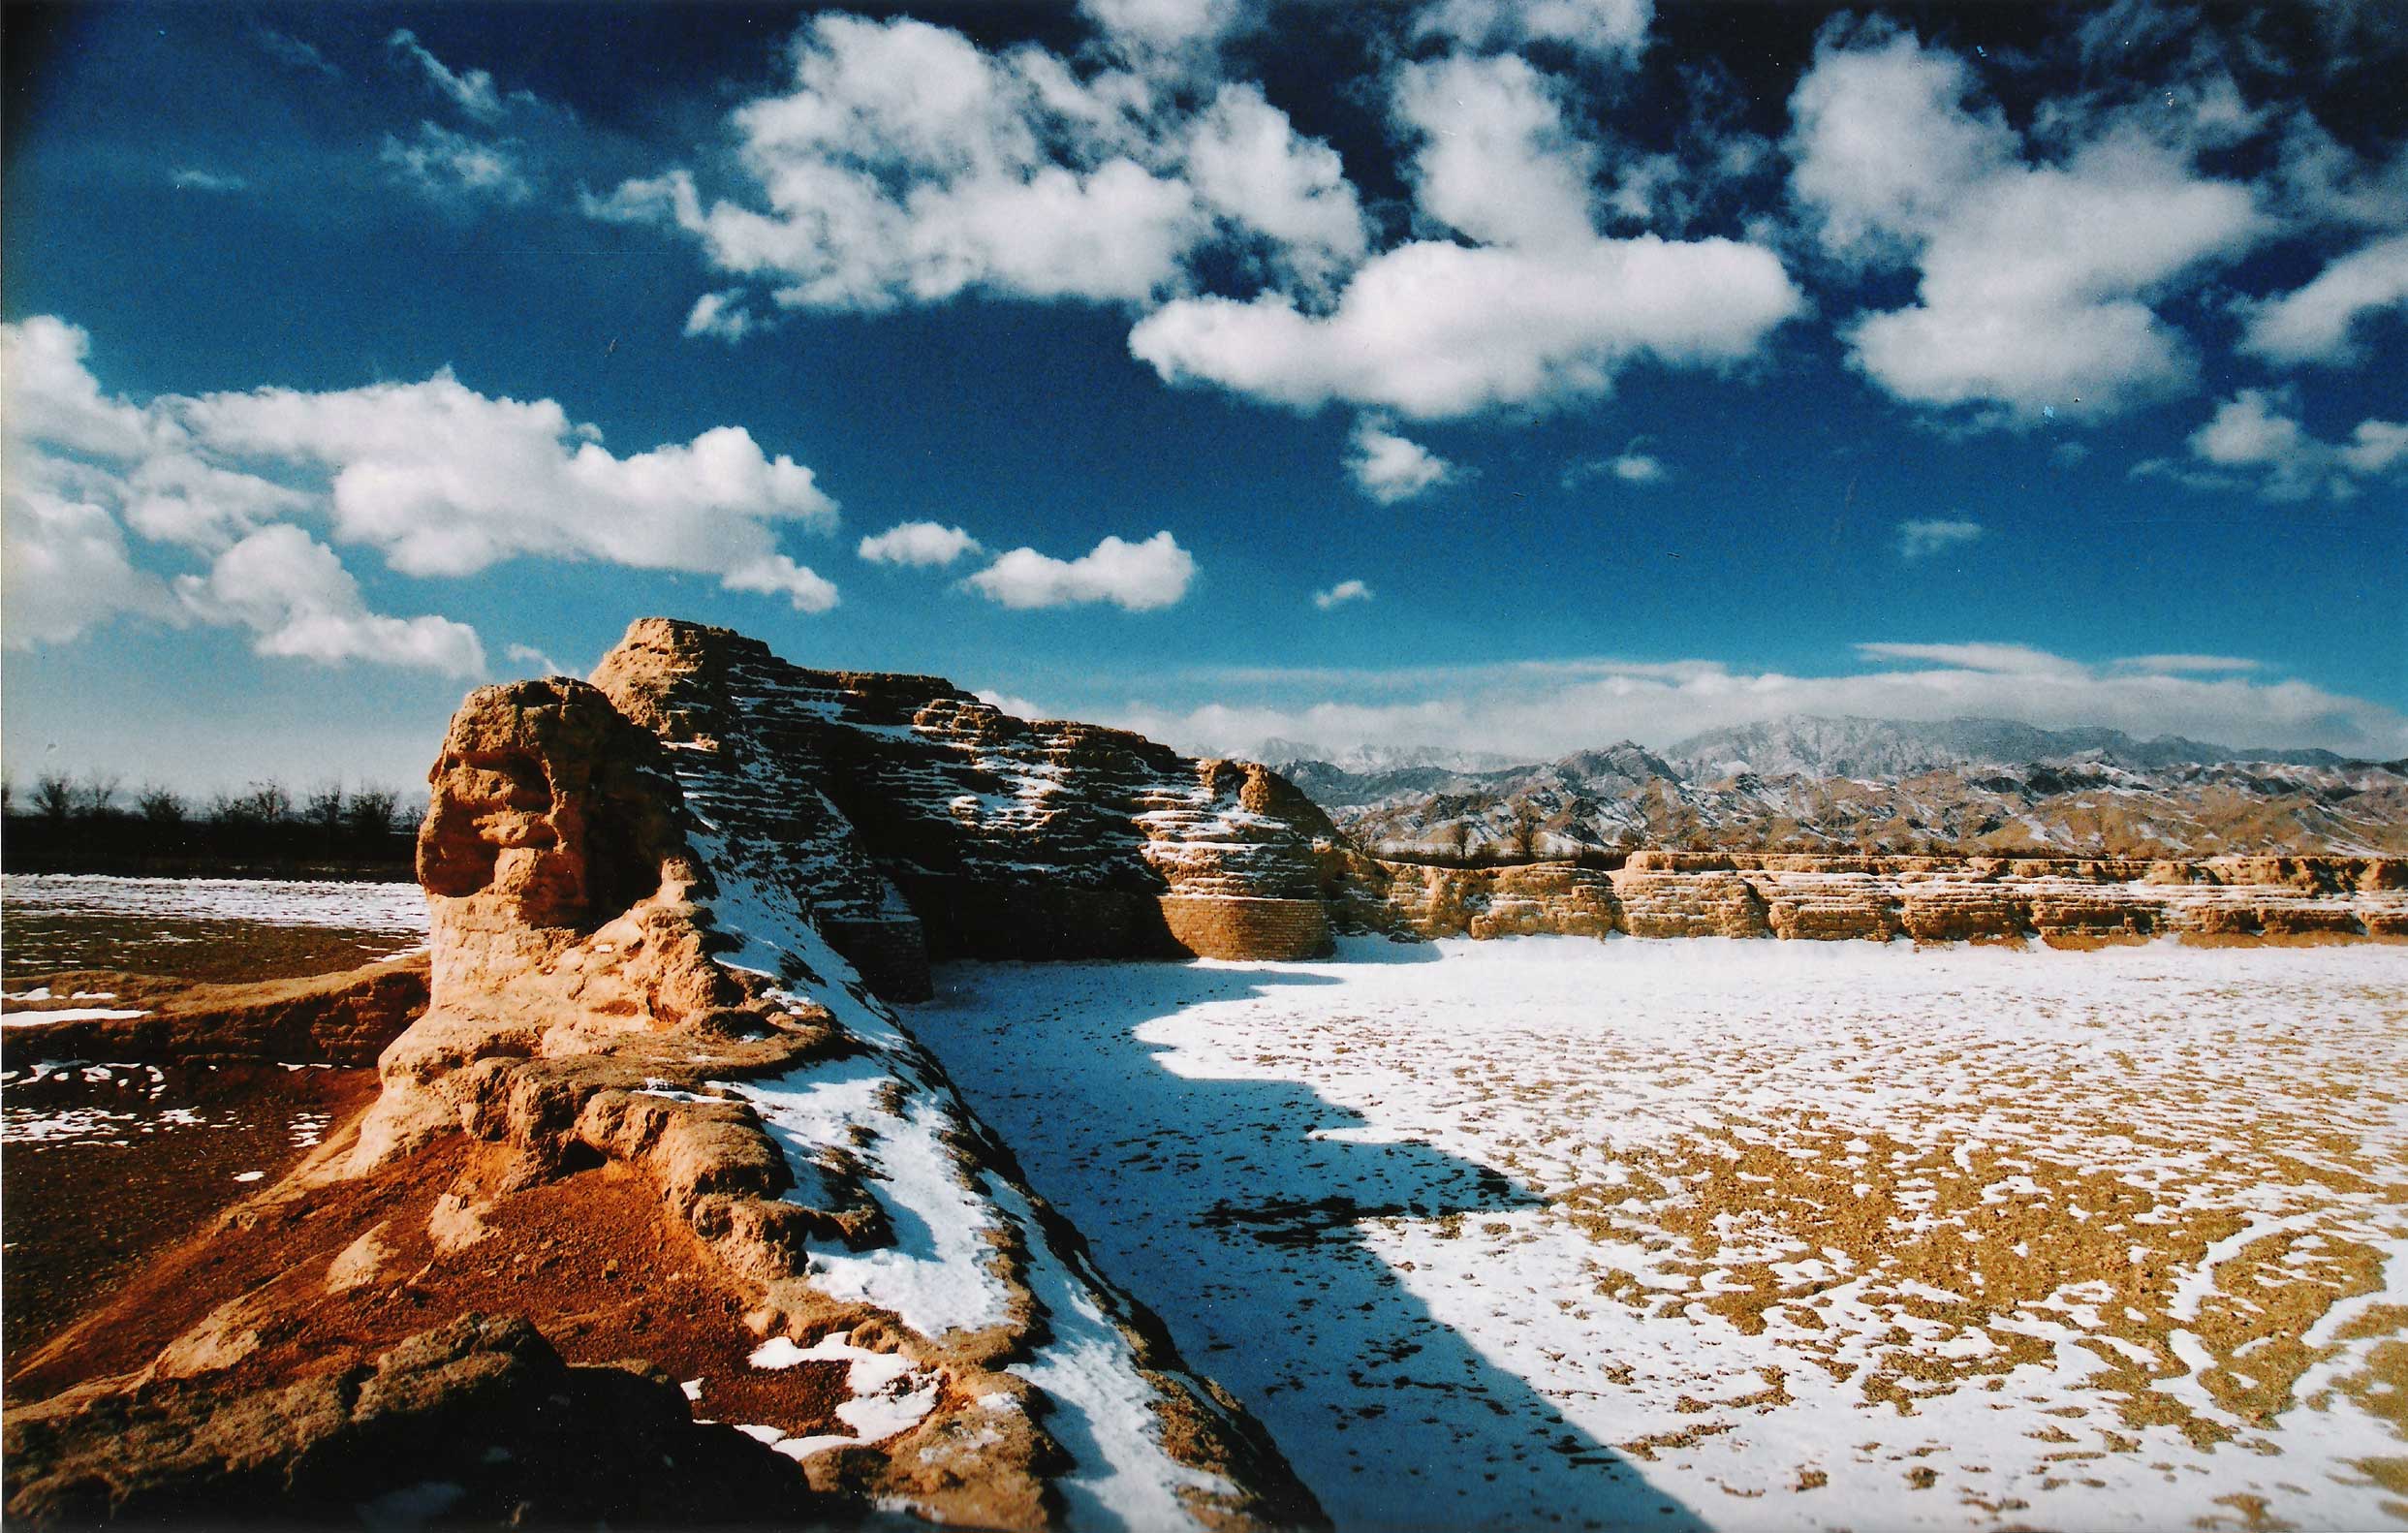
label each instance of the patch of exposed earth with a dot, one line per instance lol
(103, 1165)
(212, 930)
(1752, 1234)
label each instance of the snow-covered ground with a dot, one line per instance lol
(1750, 1234)
(398, 908)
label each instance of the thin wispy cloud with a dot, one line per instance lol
(1920, 540)
(287, 50)
(1340, 594)
(471, 90)
(1550, 710)
(447, 166)
(534, 662)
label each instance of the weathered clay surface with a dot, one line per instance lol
(334, 1018)
(913, 820)
(615, 979)
(479, 1421)
(2067, 902)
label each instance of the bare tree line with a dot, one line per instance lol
(329, 808)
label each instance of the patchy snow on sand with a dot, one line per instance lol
(905, 1132)
(890, 1395)
(1750, 1234)
(398, 909)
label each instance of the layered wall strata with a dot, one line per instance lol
(617, 978)
(914, 821)
(1927, 899)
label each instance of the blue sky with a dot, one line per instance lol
(1519, 378)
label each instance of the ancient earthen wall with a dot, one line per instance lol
(1927, 899)
(1223, 926)
(912, 821)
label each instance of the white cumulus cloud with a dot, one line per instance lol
(1497, 161)
(1391, 468)
(1605, 29)
(440, 479)
(447, 480)
(2253, 440)
(67, 570)
(927, 544)
(2318, 322)
(1136, 576)
(905, 164)
(2036, 278)
(1435, 328)
(295, 594)
(1340, 594)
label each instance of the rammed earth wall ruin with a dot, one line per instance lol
(916, 822)
(1925, 900)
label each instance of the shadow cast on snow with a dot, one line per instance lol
(1236, 1210)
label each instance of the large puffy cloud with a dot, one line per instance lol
(1247, 162)
(1135, 577)
(1538, 311)
(1433, 328)
(2036, 279)
(2315, 323)
(1540, 711)
(906, 164)
(440, 478)
(67, 570)
(447, 480)
(52, 397)
(293, 593)
(1162, 25)
(1497, 161)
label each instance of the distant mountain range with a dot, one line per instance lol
(1806, 784)
(1853, 747)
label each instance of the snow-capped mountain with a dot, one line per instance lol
(1962, 786)
(1805, 746)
